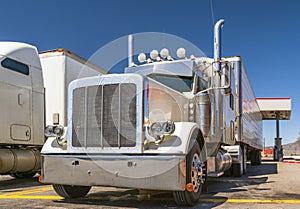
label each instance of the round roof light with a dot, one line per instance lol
(154, 54)
(142, 57)
(164, 53)
(181, 53)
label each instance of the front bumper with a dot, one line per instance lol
(159, 172)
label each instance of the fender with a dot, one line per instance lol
(180, 142)
(51, 146)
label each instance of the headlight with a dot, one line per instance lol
(48, 131)
(155, 128)
(54, 131)
(162, 128)
(58, 130)
(168, 127)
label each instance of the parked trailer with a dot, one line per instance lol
(60, 67)
(162, 125)
(27, 80)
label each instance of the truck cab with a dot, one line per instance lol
(22, 120)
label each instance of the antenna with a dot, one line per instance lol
(212, 12)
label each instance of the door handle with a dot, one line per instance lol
(20, 99)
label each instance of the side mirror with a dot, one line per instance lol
(227, 91)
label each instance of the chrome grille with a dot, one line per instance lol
(104, 116)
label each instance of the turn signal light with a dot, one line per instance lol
(189, 187)
(40, 179)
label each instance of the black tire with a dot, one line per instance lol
(23, 175)
(228, 173)
(68, 191)
(255, 157)
(186, 198)
(245, 159)
(258, 157)
(237, 169)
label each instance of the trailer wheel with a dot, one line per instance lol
(244, 159)
(258, 157)
(196, 175)
(68, 191)
(255, 157)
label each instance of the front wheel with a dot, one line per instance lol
(68, 191)
(195, 175)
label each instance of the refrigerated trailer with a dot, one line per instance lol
(60, 67)
(33, 91)
(164, 125)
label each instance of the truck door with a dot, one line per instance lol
(15, 94)
(229, 107)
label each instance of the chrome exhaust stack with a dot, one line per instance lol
(130, 50)
(217, 40)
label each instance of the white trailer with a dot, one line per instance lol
(60, 67)
(27, 79)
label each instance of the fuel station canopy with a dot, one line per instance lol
(275, 108)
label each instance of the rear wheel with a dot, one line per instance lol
(258, 157)
(255, 157)
(68, 191)
(237, 169)
(195, 175)
(239, 166)
(244, 159)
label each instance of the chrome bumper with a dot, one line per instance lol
(141, 172)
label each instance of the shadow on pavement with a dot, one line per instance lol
(11, 183)
(211, 198)
(132, 199)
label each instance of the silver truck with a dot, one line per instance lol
(163, 125)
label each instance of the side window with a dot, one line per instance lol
(202, 84)
(15, 66)
(231, 101)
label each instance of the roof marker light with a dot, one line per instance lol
(164, 53)
(154, 54)
(142, 57)
(181, 53)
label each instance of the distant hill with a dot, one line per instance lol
(291, 148)
(288, 149)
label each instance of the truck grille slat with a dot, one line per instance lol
(104, 116)
(110, 115)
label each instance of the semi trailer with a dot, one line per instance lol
(163, 125)
(33, 88)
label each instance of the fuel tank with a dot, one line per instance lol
(19, 160)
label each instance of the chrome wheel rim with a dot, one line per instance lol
(197, 172)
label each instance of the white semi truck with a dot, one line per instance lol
(33, 90)
(163, 125)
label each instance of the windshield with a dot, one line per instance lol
(178, 83)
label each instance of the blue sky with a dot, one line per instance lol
(265, 33)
